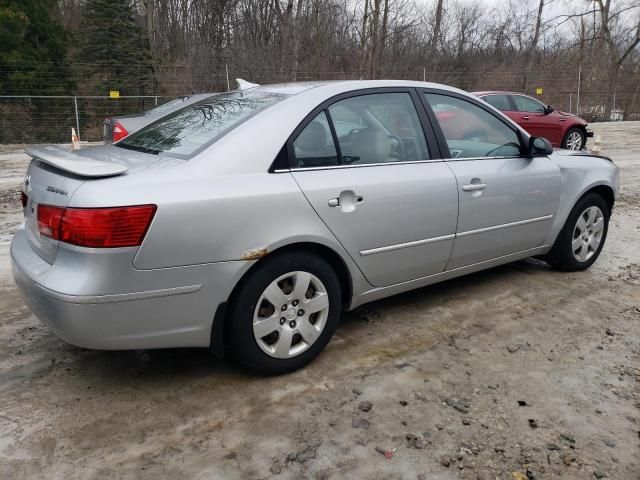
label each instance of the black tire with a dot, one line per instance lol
(242, 344)
(583, 136)
(561, 255)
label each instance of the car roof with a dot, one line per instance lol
(497, 92)
(295, 88)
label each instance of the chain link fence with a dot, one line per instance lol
(49, 119)
(28, 119)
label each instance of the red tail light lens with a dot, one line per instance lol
(96, 227)
(49, 219)
(119, 132)
(23, 199)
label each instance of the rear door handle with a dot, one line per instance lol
(472, 187)
(525, 117)
(347, 201)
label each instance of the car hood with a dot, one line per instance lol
(561, 152)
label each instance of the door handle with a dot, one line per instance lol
(347, 201)
(472, 187)
(525, 117)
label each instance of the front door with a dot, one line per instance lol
(364, 165)
(507, 201)
(532, 117)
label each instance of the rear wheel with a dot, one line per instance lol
(580, 241)
(284, 313)
(574, 139)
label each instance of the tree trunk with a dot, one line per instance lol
(436, 29)
(383, 37)
(297, 33)
(363, 39)
(534, 46)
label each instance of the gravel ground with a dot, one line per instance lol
(515, 373)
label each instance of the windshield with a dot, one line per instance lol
(184, 132)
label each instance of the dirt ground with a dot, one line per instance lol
(516, 373)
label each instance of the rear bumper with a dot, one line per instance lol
(140, 309)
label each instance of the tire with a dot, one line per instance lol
(568, 252)
(574, 139)
(291, 339)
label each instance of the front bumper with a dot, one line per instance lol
(95, 304)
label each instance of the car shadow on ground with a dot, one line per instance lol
(437, 292)
(149, 366)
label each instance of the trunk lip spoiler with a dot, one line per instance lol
(69, 161)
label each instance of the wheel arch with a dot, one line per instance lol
(577, 126)
(219, 330)
(605, 191)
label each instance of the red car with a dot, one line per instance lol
(562, 129)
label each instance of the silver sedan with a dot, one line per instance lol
(247, 222)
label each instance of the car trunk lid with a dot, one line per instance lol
(53, 176)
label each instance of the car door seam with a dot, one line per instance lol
(329, 228)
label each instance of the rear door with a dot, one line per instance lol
(365, 165)
(507, 200)
(503, 103)
(532, 117)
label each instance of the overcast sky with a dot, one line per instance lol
(555, 9)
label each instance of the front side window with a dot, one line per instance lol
(501, 102)
(378, 128)
(526, 104)
(470, 131)
(188, 130)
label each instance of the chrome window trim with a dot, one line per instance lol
(415, 243)
(434, 160)
(335, 167)
(398, 246)
(452, 159)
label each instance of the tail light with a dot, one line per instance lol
(96, 227)
(23, 199)
(119, 132)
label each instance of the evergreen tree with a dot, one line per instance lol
(33, 47)
(113, 47)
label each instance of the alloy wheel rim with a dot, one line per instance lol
(587, 234)
(290, 314)
(574, 141)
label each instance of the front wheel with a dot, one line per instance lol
(580, 241)
(284, 313)
(575, 139)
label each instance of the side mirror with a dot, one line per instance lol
(549, 109)
(539, 146)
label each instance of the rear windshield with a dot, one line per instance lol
(188, 130)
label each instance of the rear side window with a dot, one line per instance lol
(370, 129)
(526, 104)
(314, 146)
(188, 130)
(501, 102)
(471, 131)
